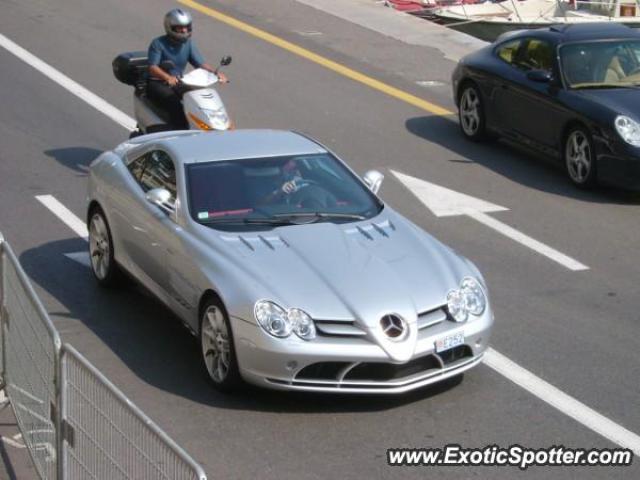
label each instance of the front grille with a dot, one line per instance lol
(382, 372)
(456, 353)
(322, 371)
(353, 375)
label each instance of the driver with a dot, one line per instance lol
(290, 182)
(178, 48)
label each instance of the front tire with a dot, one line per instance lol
(216, 347)
(579, 158)
(471, 113)
(103, 264)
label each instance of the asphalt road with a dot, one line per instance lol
(576, 330)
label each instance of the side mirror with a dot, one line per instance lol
(539, 76)
(373, 180)
(161, 198)
(226, 60)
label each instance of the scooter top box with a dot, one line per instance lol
(131, 67)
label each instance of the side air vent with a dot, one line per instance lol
(336, 328)
(431, 318)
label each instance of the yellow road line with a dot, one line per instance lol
(319, 59)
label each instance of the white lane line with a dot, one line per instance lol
(517, 374)
(72, 86)
(563, 402)
(527, 241)
(64, 214)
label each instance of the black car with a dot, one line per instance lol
(570, 91)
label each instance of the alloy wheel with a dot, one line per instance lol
(470, 112)
(99, 247)
(578, 157)
(215, 344)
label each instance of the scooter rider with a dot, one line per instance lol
(176, 47)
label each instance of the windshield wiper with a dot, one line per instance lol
(320, 215)
(248, 221)
(605, 85)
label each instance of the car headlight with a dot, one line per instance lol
(281, 323)
(273, 319)
(628, 129)
(303, 325)
(468, 299)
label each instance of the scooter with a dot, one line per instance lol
(203, 107)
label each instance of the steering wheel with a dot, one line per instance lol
(312, 195)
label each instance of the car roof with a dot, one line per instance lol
(573, 32)
(236, 144)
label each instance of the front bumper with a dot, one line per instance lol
(356, 364)
(618, 164)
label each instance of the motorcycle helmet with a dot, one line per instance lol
(174, 20)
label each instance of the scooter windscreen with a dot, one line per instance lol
(200, 78)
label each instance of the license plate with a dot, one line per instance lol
(449, 342)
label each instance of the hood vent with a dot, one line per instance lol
(372, 231)
(256, 242)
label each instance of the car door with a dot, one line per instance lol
(146, 226)
(532, 107)
(502, 83)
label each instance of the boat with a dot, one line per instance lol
(488, 21)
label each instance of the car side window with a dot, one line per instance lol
(136, 167)
(158, 171)
(507, 51)
(536, 54)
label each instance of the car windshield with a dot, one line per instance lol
(252, 193)
(601, 64)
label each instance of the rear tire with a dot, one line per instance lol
(579, 158)
(216, 347)
(103, 265)
(471, 113)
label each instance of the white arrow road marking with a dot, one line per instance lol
(80, 257)
(534, 385)
(72, 86)
(444, 202)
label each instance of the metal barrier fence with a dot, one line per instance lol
(31, 351)
(75, 423)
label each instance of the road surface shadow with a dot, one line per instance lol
(156, 347)
(512, 161)
(74, 158)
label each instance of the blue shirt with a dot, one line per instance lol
(163, 48)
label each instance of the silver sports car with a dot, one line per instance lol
(287, 266)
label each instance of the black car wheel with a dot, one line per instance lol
(471, 113)
(103, 264)
(579, 158)
(217, 349)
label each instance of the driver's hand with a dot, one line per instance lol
(222, 78)
(289, 187)
(172, 81)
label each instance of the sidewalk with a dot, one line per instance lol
(374, 15)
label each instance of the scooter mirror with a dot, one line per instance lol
(226, 60)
